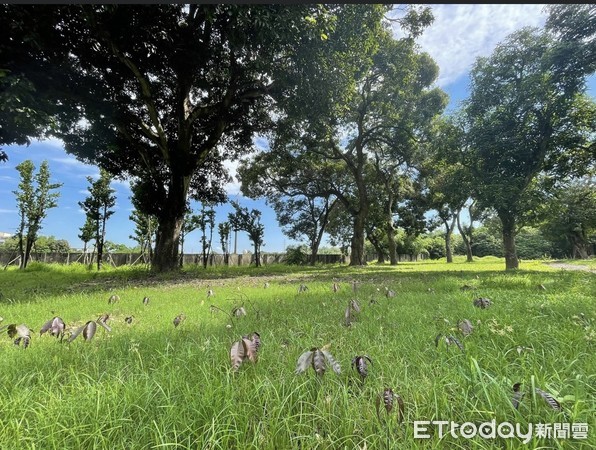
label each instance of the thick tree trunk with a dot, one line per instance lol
(357, 256)
(580, 247)
(379, 250)
(167, 243)
(169, 227)
(508, 224)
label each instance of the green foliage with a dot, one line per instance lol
(144, 231)
(571, 220)
(97, 207)
(34, 198)
(250, 221)
(224, 229)
(43, 244)
(526, 117)
(296, 255)
(113, 247)
(531, 244)
(168, 95)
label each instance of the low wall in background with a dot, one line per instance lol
(121, 259)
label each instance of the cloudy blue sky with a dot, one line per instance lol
(459, 34)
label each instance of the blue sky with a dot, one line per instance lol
(459, 34)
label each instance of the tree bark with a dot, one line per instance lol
(357, 256)
(467, 240)
(165, 257)
(391, 244)
(170, 222)
(508, 224)
(580, 250)
(448, 233)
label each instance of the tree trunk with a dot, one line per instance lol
(448, 232)
(257, 255)
(27, 254)
(166, 255)
(391, 244)
(357, 256)
(169, 227)
(467, 240)
(580, 247)
(508, 224)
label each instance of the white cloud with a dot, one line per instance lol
(124, 183)
(461, 33)
(53, 142)
(233, 187)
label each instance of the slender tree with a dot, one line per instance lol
(34, 198)
(224, 229)
(97, 207)
(87, 234)
(206, 223)
(250, 221)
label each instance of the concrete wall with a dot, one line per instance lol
(119, 259)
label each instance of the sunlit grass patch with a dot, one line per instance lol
(149, 384)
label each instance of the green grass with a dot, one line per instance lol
(149, 385)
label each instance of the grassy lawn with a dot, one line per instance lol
(149, 384)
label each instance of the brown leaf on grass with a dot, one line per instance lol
(388, 399)
(179, 319)
(482, 302)
(55, 326)
(352, 308)
(317, 358)
(466, 327)
(360, 364)
(113, 299)
(238, 353)
(239, 311)
(103, 321)
(88, 331)
(256, 340)
(552, 401)
(245, 348)
(22, 333)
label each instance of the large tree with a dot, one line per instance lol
(164, 93)
(526, 117)
(381, 120)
